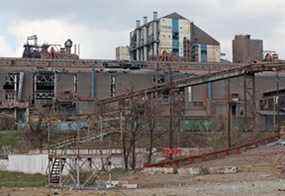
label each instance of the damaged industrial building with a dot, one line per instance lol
(73, 87)
(168, 100)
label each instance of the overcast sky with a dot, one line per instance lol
(101, 25)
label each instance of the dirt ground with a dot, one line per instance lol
(240, 184)
(264, 155)
(238, 188)
(257, 181)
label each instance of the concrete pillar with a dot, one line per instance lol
(138, 43)
(155, 36)
(145, 53)
(155, 49)
(155, 30)
(55, 83)
(145, 42)
(137, 54)
(141, 54)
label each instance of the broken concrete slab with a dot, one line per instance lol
(130, 186)
(159, 170)
(223, 170)
(191, 171)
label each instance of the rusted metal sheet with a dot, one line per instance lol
(215, 154)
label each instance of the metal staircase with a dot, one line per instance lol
(56, 171)
(58, 155)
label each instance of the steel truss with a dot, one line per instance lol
(121, 122)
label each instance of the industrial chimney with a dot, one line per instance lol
(155, 15)
(144, 20)
(138, 23)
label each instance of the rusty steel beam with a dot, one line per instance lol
(194, 81)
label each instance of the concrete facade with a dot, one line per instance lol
(175, 35)
(211, 103)
(246, 50)
(204, 102)
(26, 85)
(122, 53)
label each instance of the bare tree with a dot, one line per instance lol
(36, 133)
(133, 125)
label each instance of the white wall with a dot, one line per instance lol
(184, 31)
(213, 54)
(165, 35)
(28, 163)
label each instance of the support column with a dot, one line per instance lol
(277, 102)
(145, 53)
(75, 84)
(138, 44)
(229, 126)
(245, 102)
(171, 110)
(55, 84)
(210, 96)
(249, 101)
(93, 84)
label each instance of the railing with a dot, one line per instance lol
(213, 155)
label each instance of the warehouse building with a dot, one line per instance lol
(122, 53)
(175, 35)
(72, 87)
(247, 50)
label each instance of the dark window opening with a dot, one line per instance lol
(113, 86)
(10, 86)
(175, 35)
(234, 109)
(44, 85)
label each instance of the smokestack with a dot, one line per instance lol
(138, 23)
(144, 20)
(79, 50)
(155, 15)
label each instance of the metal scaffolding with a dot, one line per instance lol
(129, 121)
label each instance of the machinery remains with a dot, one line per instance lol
(48, 51)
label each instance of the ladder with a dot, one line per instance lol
(56, 171)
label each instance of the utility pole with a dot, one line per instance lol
(171, 110)
(245, 102)
(229, 114)
(277, 102)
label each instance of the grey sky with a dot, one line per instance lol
(99, 26)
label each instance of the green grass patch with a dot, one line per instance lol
(10, 138)
(119, 172)
(16, 179)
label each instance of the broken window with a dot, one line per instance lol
(175, 35)
(234, 109)
(113, 86)
(11, 85)
(160, 79)
(44, 86)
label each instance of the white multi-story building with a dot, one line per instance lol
(122, 53)
(174, 34)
